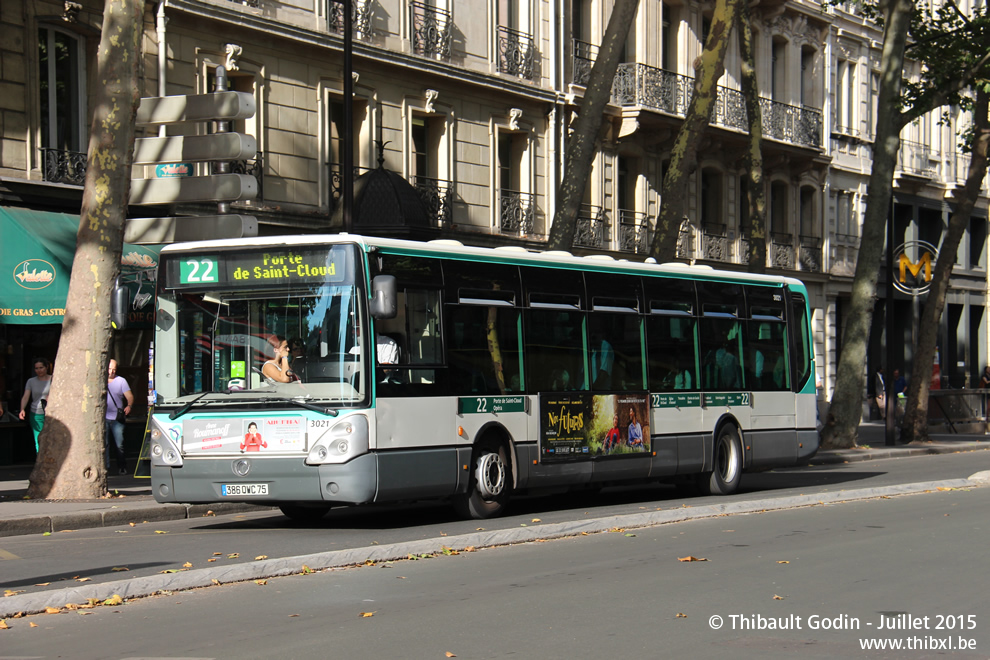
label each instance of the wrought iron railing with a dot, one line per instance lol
(584, 59)
(639, 84)
(516, 52)
(517, 212)
(336, 180)
(59, 166)
(437, 195)
(431, 28)
(714, 242)
(247, 3)
(810, 253)
(635, 232)
(781, 251)
(592, 229)
(361, 17)
(915, 158)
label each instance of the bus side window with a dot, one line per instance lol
(554, 350)
(483, 349)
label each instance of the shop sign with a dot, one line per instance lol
(913, 262)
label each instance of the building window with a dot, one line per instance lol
(843, 211)
(845, 87)
(778, 74)
(711, 202)
(778, 209)
(668, 39)
(517, 205)
(62, 68)
(428, 166)
(808, 77)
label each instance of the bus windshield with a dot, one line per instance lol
(258, 339)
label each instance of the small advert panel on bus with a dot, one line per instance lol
(577, 426)
(244, 435)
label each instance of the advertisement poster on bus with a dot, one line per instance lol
(242, 435)
(578, 426)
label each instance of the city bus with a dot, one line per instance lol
(311, 372)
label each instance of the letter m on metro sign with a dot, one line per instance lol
(914, 267)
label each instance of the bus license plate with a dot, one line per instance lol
(229, 490)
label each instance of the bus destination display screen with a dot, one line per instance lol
(273, 266)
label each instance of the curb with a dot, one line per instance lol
(204, 577)
(57, 522)
(876, 453)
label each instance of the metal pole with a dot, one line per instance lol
(347, 176)
(888, 381)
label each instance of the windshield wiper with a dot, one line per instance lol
(303, 404)
(175, 414)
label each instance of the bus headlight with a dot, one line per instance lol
(164, 451)
(345, 440)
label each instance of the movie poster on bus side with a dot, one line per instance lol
(585, 426)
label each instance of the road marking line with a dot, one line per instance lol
(7, 555)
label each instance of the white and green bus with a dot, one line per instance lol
(438, 371)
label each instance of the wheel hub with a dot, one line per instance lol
(490, 475)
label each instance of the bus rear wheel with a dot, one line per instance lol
(491, 481)
(727, 463)
(302, 513)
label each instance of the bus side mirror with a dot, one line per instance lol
(120, 301)
(383, 297)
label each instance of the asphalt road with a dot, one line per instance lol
(834, 574)
(37, 563)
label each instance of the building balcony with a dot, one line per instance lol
(714, 243)
(516, 53)
(635, 232)
(670, 93)
(361, 17)
(592, 228)
(914, 158)
(780, 251)
(437, 195)
(431, 29)
(58, 166)
(810, 253)
(583, 57)
(516, 213)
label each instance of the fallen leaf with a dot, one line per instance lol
(690, 558)
(33, 624)
(212, 559)
(46, 533)
(113, 600)
(42, 584)
(3, 624)
(470, 548)
(83, 613)
(783, 562)
(261, 582)
(449, 551)
(52, 610)
(479, 529)
(132, 524)
(450, 655)
(681, 615)
(217, 554)
(233, 555)
(215, 581)
(536, 520)
(630, 535)
(158, 531)
(119, 568)
(209, 513)
(66, 530)
(776, 597)
(365, 615)
(292, 615)
(9, 592)
(187, 565)
(306, 570)
(259, 557)
(170, 570)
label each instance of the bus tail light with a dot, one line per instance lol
(346, 439)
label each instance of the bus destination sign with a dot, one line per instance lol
(272, 266)
(490, 404)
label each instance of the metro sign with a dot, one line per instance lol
(914, 277)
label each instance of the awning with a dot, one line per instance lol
(36, 253)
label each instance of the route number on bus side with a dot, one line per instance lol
(201, 270)
(467, 405)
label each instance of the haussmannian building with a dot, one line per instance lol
(470, 102)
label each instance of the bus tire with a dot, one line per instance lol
(727, 464)
(490, 483)
(304, 514)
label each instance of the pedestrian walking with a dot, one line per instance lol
(36, 391)
(119, 402)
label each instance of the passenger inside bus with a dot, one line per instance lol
(278, 370)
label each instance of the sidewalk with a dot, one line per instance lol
(131, 499)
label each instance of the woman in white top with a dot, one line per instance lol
(36, 391)
(277, 369)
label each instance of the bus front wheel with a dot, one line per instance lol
(727, 464)
(304, 514)
(491, 481)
